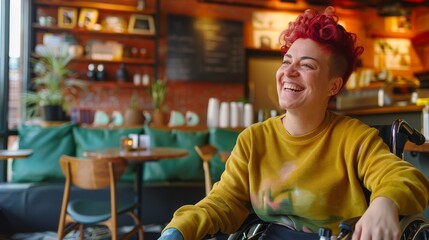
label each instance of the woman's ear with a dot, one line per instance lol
(335, 86)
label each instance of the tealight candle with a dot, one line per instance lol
(126, 143)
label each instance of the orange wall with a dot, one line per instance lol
(193, 96)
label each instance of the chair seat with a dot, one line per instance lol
(87, 211)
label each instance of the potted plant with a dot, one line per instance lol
(133, 116)
(158, 92)
(54, 89)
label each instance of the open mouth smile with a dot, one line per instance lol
(293, 88)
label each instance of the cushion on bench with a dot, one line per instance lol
(187, 168)
(224, 140)
(48, 144)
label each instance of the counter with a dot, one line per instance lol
(382, 110)
(411, 147)
(412, 114)
(386, 115)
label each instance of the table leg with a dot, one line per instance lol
(138, 187)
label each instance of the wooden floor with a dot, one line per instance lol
(152, 233)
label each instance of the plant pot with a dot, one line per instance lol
(53, 113)
(158, 118)
(133, 117)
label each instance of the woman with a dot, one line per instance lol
(304, 170)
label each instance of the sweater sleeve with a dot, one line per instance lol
(386, 175)
(226, 206)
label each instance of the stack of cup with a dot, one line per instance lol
(213, 113)
(229, 114)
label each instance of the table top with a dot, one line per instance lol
(409, 146)
(20, 153)
(148, 154)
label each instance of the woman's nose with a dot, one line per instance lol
(291, 70)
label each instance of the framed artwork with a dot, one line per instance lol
(392, 53)
(114, 24)
(141, 24)
(88, 18)
(67, 17)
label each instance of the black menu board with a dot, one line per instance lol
(204, 49)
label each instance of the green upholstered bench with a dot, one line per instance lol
(37, 181)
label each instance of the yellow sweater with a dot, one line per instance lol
(309, 181)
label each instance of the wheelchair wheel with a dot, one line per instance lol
(415, 228)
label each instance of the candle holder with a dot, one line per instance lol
(126, 143)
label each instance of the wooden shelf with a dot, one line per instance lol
(408, 35)
(143, 61)
(111, 84)
(421, 38)
(416, 39)
(98, 5)
(85, 31)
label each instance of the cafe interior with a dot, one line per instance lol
(172, 84)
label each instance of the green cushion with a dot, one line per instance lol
(92, 138)
(48, 145)
(187, 168)
(224, 140)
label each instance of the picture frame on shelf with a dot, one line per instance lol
(88, 18)
(67, 17)
(114, 24)
(141, 24)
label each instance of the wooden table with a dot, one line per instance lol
(138, 157)
(16, 154)
(409, 146)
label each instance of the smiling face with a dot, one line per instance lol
(303, 80)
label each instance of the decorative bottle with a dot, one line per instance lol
(137, 79)
(141, 4)
(91, 72)
(101, 74)
(145, 79)
(122, 74)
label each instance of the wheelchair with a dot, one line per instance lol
(412, 227)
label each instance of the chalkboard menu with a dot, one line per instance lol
(203, 49)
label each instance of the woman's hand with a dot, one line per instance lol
(380, 221)
(171, 234)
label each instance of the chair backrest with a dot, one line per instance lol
(206, 153)
(397, 134)
(88, 173)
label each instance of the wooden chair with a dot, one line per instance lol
(206, 153)
(92, 174)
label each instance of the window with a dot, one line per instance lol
(15, 73)
(10, 77)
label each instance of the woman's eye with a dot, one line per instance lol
(306, 65)
(286, 62)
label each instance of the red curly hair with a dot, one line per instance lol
(325, 30)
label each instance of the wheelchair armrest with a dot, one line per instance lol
(347, 227)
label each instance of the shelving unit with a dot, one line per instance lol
(139, 49)
(421, 38)
(98, 5)
(407, 35)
